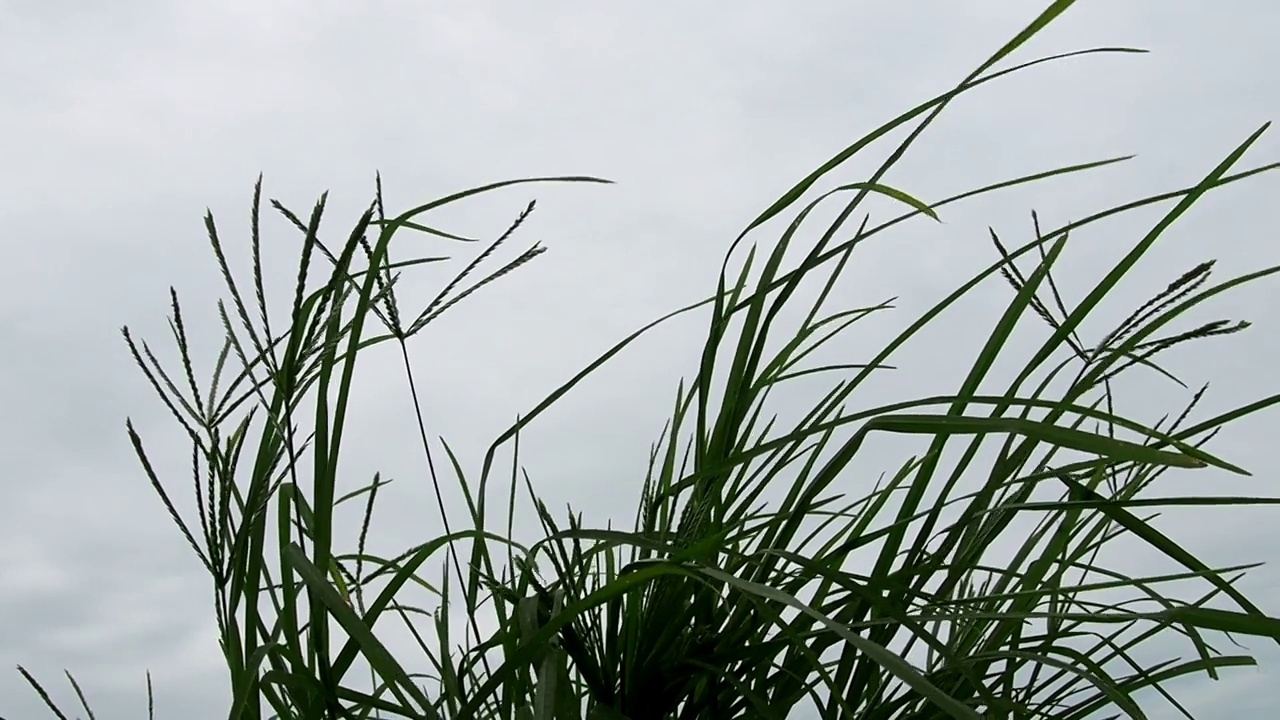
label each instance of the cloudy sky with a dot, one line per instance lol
(124, 121)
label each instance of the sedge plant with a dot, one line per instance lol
(762, 577)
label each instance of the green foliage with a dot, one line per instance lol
(880, 607)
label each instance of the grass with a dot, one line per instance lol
(976, 581)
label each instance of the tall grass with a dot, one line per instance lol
(977, 581)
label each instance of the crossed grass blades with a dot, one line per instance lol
(719, 604)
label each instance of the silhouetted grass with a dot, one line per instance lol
(719, 604)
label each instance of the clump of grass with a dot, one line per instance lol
(719, 603)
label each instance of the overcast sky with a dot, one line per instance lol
(124, 121)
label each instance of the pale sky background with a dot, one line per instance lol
(123, 121)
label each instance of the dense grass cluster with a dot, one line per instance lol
(887, 605)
